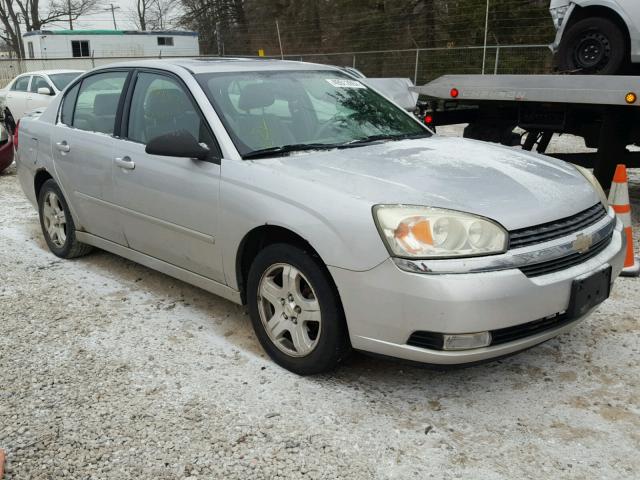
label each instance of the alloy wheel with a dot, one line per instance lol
(289, 310)
(55, 220)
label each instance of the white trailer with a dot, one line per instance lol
(604, 110)
(109, 43)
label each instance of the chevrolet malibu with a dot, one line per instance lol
(340, 220)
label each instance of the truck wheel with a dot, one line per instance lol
(57, 224)
(296, 311)
(492, 132)
(593, 46)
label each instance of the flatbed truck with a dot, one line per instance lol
(603, 110)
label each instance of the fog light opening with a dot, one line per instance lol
(466, 341)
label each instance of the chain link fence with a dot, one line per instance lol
(419, 65)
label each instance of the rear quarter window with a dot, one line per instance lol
(68, 104)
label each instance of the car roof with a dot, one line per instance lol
(222, 64)
(51, 72)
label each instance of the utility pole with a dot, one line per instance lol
(279, 40)
(70, 20)
(486, 31)
(113, 14)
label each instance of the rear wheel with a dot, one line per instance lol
(295, 310)
(57, 224)
(593, 46)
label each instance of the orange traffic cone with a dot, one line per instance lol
(619, 200)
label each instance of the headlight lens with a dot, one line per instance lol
(424, 232)
(595, 184)
(558, 14)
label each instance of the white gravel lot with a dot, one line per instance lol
(109, 370)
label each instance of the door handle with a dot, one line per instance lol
(124, 162)
(63, 146)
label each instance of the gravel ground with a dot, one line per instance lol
(111, 370)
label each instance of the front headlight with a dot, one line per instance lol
(422, 232)
(558, 14)
(595, 184)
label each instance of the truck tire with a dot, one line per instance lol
(593, 46)
(492, 132)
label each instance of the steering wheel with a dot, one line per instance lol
(336, 123)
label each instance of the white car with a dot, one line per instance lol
(596, 36)
(34, 90)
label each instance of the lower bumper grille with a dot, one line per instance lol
(435, 341)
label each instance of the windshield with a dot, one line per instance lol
(61, 80)
(319, 109)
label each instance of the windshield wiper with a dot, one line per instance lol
(380, 137)
(299, 147)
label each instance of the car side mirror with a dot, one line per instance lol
(178, 144)
(45, 91)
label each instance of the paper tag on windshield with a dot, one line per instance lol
(345, 83)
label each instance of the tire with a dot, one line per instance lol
(320, 344)
(59, 233)
(495, 133)
(9, 122)
(593, 46)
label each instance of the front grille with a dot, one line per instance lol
(525, 237)
(568, 261)
(435, 341)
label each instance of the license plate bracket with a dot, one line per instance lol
(589, 291)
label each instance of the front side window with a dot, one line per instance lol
(270, 109)
(160, 105)
(21, 84)
(97, 102)
(38, 82)
(80, 48)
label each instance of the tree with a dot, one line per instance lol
(154, 14)
(14, 13)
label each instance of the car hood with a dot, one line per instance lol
(513, 187)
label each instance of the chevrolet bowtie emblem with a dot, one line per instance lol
(582, 243)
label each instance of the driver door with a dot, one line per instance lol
(168, 205)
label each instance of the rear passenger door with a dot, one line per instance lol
(16, 100)
(169, 205)
(83, 146)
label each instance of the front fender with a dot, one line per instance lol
(338, 225)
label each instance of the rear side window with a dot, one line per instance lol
(66, 114)
(21, 84)
(97, 102)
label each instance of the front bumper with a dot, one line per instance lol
(385, 305)
(555, 46)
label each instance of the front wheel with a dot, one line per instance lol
(593, 46)
(295, 310)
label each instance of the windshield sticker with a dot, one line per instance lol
(344, 83)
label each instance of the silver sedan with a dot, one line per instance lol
(337, 217)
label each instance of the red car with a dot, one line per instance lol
(6, 148)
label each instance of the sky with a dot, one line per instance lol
(102, 18)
